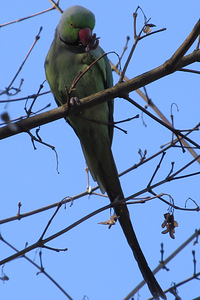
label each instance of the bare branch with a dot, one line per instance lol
(163, 263)
(20, 68)
(39, 140)
(38, 267)
(59, 206)
(175, 59)
(29, 111)
(56, 5)
(137, 38)
(158, 112)
(24, 98)
(175, 131)
(41, 243)
(123, 51)
(25, 18)
(117, 91)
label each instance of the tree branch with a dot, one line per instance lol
(163, 263)
(117, 91)
(41, 270)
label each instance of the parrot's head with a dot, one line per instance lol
(76, 25)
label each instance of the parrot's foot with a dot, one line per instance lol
(74, 101)
(93, 43)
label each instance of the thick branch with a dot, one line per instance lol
(117, 91)
(174, 60)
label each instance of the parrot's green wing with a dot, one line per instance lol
(104, 65)
(94, 126)
(66, 58)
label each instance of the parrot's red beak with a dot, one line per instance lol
(85, 36)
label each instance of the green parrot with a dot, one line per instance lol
(73, 49)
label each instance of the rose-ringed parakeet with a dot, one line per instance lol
(73, 49)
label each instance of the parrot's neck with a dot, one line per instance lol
(80, 47)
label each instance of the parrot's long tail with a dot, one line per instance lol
(125, 222)
(102, 166)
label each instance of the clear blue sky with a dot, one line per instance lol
(99, 263)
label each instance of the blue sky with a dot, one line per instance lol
(98, 263)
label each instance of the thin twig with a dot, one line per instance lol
(163, 263)
(169, 178)
(153, 32)
(45, 230)
(56, 5)
(29, 111)
(172, 118)
(137, 38)
(25, 18)
(113, 124)
(81, 74)
(190, 71)
(25, 117)
(123, 51)
(38, 267)
(42, 209)
(179, 284)
(187, 175)
(20, 68)
(176, 131)
(39, 140)
(24, 98)
(156, 170)
(41, 243)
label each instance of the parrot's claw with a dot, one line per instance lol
(93, 44)
(74, 101)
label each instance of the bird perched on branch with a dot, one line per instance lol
(73, 50)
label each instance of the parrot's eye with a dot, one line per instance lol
(71, 25)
